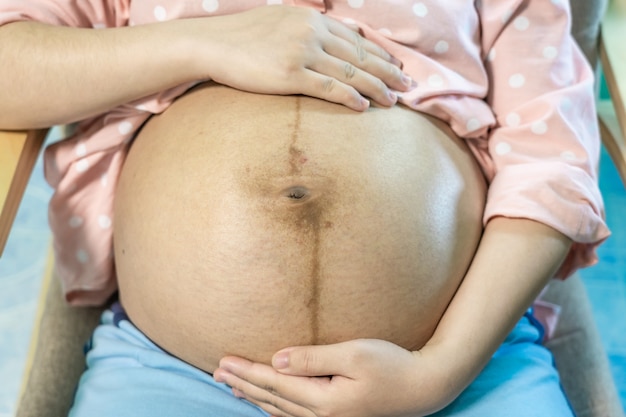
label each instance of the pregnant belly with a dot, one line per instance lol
(247, 223)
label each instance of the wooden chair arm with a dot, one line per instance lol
(18, 154)
(56, 358)
(612, 113)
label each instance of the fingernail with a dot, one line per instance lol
(365, 104)
(280, 360)
(395, 61)
(392, 96)
(218, 376)
(408, 81)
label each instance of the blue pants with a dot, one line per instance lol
(128, 375)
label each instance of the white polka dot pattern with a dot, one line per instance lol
(210, 6)
(550, 52)
(513, 119)
(442, 47)
(506, 16)
(420, 9)
(503, 148)
(568, 155)
(517, 81)
(356, 4)
(539, 128)
(160, 13)
(473, 124)
(521, 23)
(104, 221)
(125, 128)
(81, 150)
(435, 81)
(82, 165)
(82, 256)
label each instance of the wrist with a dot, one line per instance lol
(198, 47)
(172, 50)
(456, 366)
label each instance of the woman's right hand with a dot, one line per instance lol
(294, 50)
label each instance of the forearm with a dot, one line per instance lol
(52, 75)
(88, 71)
(515, 260)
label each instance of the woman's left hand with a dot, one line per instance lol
(359, 378)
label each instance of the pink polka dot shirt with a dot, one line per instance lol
(505, 74)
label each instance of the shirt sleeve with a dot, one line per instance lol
(541, 157)
(84, 13)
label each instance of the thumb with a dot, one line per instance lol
(322, 360)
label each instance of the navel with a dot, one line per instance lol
(297, 194)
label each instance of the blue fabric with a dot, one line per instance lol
(520, 380)
(128, 375)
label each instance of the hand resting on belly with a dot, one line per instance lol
(245, 223)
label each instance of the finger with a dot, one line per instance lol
(273, 406)
(362, 81)
(328, 88)
(349, 45)
(320, 360)
(357, 55)
(265, 390)
(352, 34)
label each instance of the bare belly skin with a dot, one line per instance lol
(247, 223)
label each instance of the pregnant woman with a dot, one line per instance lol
(248, 223)
(297, 223)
